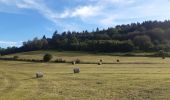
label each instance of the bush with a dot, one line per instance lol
(15, 57)
(162, 54)
(47, 57)
(129, 54)
(28, 60)
(33, 60)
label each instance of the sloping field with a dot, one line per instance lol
(88, 57)
(94, 82)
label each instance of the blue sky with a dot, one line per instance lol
(21, 20)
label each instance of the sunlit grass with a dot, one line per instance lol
(94, 82)
(87, 57)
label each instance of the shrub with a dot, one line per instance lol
(129, 54)
(118, 60)
(21, 59)
(47, 57)
(15, 57)
(28, 60)
(76, 70)
(33, 60)
(36, 60)
(41, 60)
(161, 53)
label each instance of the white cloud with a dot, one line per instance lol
(123, 2)
(124, 11)
(114, 2)
(10, 43)
(65, 14)
(99, 12)
(39, 6)
(81, 12)
(86, 11)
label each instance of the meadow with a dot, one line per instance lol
(94, 82)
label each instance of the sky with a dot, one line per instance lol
(22, 20)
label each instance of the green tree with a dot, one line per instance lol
(143, 42)
(47, 57)
(157, 34)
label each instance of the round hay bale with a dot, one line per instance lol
(39, 74)
(99, 63)
(73, 62)
(101, 60)
(76, 70)
(163, 57)
(77, 61)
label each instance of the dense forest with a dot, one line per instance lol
(148, 36)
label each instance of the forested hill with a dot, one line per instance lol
(146, 36)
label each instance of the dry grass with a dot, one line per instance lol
(85, 57)
(105, 82)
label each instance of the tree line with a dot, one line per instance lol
(146, 36)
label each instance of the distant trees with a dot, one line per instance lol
(157, 34)
(146, 36)
(35, 44)
(143, 42)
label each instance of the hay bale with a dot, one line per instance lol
(73, 62)
(99, 63)
(77, 60)
(101, 60)
(76, 70)
(39, 74)
(163, 57)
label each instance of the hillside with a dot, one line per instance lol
(94, 82)
(70, 56)
(147, 36)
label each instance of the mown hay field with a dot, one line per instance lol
(94, 82)
(87, 57)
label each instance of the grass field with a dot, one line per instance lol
(86, 57)
(104, 82)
